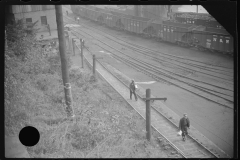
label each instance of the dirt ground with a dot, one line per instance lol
(212, 120)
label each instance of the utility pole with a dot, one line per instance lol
(49, 29)
(6, 40)
(148, 100)
(94, 64)
(82, 45)
(73, 43)
(148, 115)
(64, 63)
(69, 40)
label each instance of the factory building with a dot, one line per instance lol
(43, 15)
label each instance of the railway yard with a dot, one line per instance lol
(197, 83)
(69, 77)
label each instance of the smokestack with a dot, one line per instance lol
(168, 11)
(136, 10)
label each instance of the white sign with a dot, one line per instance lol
(150, 82)
(105, 52)
(72, 25)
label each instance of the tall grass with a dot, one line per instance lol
(104, 125)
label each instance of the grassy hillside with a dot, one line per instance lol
(105, 126)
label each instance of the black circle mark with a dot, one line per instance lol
(29, 136)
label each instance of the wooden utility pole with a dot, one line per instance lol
(73, 43)
(64, 63)
(148, 115)
(82, 43)
(6, 40)
(94, 65)
(148, 112)
(49, 29)
(70, 42)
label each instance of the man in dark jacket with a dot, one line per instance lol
(184, 124)
(132, 90)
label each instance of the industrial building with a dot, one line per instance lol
(43, 15)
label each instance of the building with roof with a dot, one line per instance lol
(42, 15)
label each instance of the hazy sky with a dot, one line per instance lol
(180, 8)
(191, 8)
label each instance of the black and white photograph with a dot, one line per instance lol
(118, 81)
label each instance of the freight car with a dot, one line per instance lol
(185, 35)
(130, 23)
(214, 40)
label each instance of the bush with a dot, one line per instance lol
(26, 70)
(20, 39)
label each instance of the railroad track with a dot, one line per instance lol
(149, 52)
(197, 149)
(225, 76)
(169, 56)
(154, 73)
(224, 99)
(154, 53)
(208, 70)
(179, 58)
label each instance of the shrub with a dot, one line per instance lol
(26, 68)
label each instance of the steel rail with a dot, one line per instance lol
(215, 101)
(192, 78)
(174, 146)
(168, 54)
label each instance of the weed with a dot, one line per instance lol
(34, 95)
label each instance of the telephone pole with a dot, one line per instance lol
(148, 100)
(64, 63)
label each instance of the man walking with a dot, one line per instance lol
(184, 125)
(132, 90)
